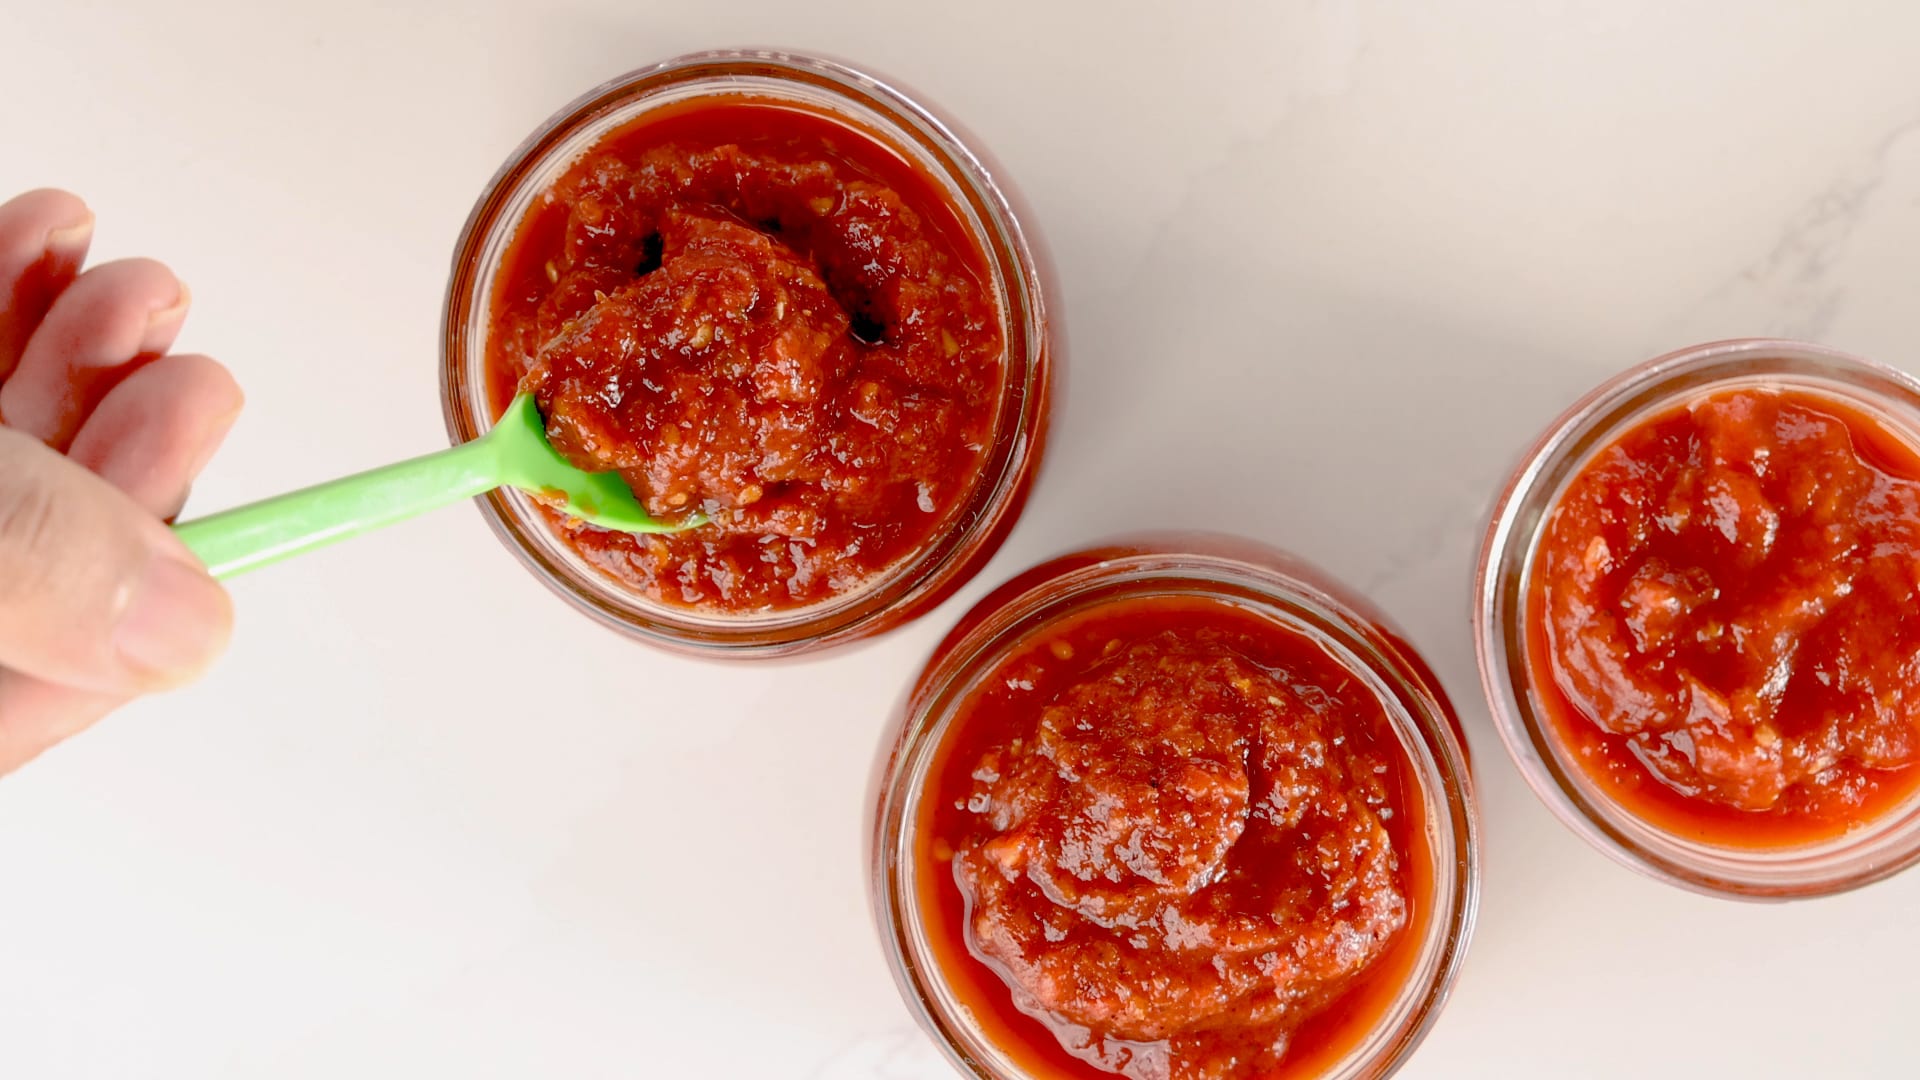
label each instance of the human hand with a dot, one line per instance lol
(101, 433)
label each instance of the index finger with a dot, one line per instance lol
(44, 236)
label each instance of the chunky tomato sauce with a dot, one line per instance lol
(1726, 618)
(1171, 838)
(762, 316)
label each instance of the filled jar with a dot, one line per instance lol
(1176, 808)
(1698, 621)
(792, 310)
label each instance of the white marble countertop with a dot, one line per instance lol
(1325, 267)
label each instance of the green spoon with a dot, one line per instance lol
(514, 454)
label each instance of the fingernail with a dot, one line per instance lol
(210, 440)
(175, 622)
(71, 238)
(164, 323)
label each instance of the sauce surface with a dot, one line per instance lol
(1173, 839)
(764, 316)
(1726, 618)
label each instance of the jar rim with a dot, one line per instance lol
(1297, 597)
(1501, 615)
(975, 527)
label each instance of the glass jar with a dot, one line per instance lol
(1505, 646)
(906, 887)
(984, 518)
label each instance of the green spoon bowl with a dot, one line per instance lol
(515, 453)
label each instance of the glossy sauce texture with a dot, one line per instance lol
(764, 316)
(1171, 838)
(1726, 618)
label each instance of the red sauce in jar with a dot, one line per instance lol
(765, 316)
(1170, 837)
(1725, 626)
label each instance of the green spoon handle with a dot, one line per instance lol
(273, 529)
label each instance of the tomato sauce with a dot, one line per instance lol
(1725, 619)
(1170, 838)
(766, 317)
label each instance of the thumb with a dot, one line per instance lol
(96, 593)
